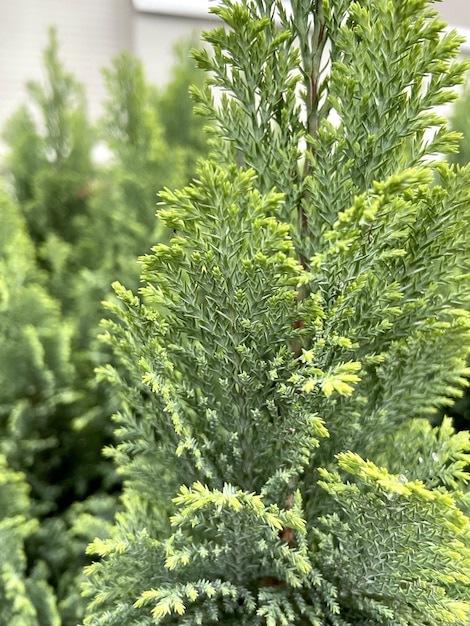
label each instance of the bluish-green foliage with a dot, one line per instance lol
(308, 313)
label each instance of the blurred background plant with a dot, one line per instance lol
(71, 225)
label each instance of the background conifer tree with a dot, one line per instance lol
(50, 142)
(140, 162)
(48, 398)
(293, 335)
(181, 128)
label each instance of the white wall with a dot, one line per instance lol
(90, 32)
(456, 12)
(155, 36)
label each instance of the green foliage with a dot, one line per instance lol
(50, 163)
(175, 107)
(305, 317)
(379, 527)
(460, 121)
(124, 197)
(144, 156)
(38, 404)
(71, 229)
(60, 542)
(25, 599)
(36, 373)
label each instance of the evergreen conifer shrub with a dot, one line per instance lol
(290, 340)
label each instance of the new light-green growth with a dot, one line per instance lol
(289, 341)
